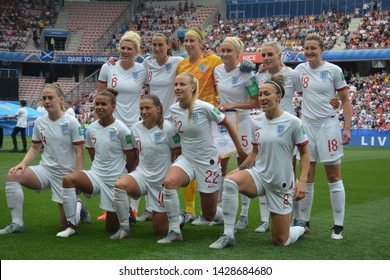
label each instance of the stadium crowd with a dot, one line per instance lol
(22, 19)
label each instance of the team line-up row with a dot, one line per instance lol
(172, 146)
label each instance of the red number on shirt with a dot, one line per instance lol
(43, 138)
(160, 198)
(244, 140)
(114, 82)
(305, 81)
(93, 140)
(211, 177)
(178, 125)
(138, 142)
(285, 201)
(257, 135)
(332, 145)
(150, 75)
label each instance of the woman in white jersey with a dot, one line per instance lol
(237, 91)
(274, 137)
(199, 158)
(62, 138)
(158, 144)
(110, 149)
(128, 78)
(319, 81)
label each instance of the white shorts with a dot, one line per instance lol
(103, 187)
(324, 140)
(154, 191)
(208, 177)
(279, 199)
(48, 180)
(245, 135)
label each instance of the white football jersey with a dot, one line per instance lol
(197, 142)
(162, 79)
(286, 103)
(276, 140)
(318, 86)
(235, 87)
(155, 146)
(109, 143)
(58, 139)
(129, 84)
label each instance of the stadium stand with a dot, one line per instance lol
(30, 87)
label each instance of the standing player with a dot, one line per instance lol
(126, 77)
(319, 81)
(274, 137)
(237, 90)
(199, 158)
(108, 140)
(21, 125)
(63, 140)
(158, 144)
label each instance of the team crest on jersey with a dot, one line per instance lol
(111, 135)
(194, 116)
(168, 66)
(324, 75)
(135, 75)
(158, 137)
(280, 129)
(222, 130)
(64, 128)
(235, 80)
(202, 68)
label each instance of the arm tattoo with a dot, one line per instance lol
(245, 165)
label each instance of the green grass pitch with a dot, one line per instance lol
(366, 230)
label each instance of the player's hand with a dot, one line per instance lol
(335, 102)
(346, 137)
(300, 191)
(261, 68)
(112, 60)
(15, 169)
(247, 66)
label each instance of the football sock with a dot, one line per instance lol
(264, 212)
(306, 203)
(295, 233)
(134, 203)
(189, 193)
(15, 199)
(337, 198)
(218, 215)
(245, 203)
(121, 204)
(229, 206)
(172, 207)
(69, 200)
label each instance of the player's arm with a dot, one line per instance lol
(131, 159)
(347, 111)
(102, 86)
(249, 161)
(234, 136)
(175, 153)
(300, 189)
(79, 151)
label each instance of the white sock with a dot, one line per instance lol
(337, 198)
(264, 212)
(134, 203)
(295, 233)
(15, 199)
(172, 207)
(78, 211)
(146, 204)
(218, 215)
(69, 200)
(121, 204)
(306, 203)
(229, 206)
(220, 192)
(245, 203)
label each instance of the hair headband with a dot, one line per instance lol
(275, 83)
(194, 33)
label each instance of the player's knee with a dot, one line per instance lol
(120, 185)
(279, 240)
(169, 183)
(68, 181)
